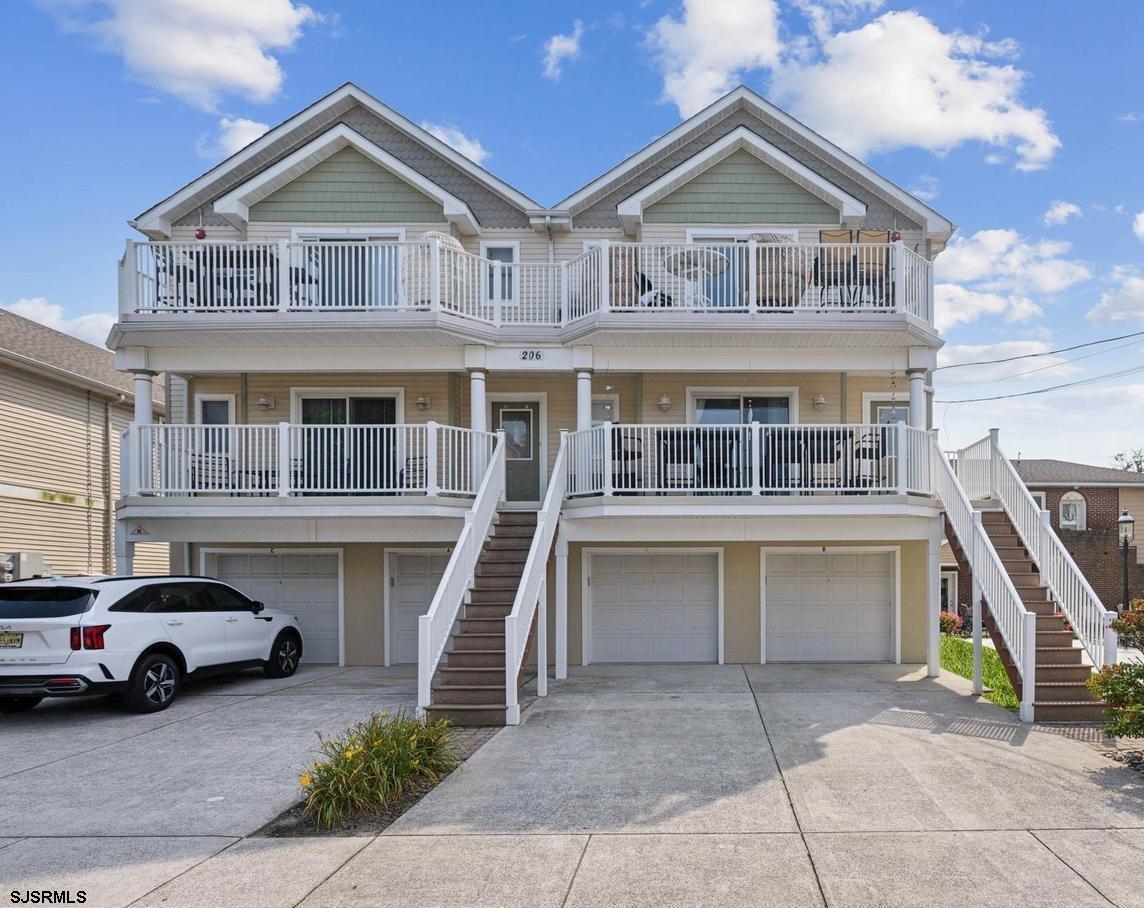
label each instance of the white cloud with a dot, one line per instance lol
(994, 159)
(1124, 302)
(1045, 366)
(1138, 225)
(958, 305)
(1130, 117)
(709, 49)
(197, 50)
(925, 188)
(900, 81)
(825, 15)
(453, 137)
(93, 327)
(560, 48)
(234, 134)
(1059, 212)
(1046, 425)
(1003, 260)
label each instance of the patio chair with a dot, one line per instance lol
(822, 457)
(834, 267)
(676, 460)
(648, 295)
(781, 274)
(873, 267)
(782, 461)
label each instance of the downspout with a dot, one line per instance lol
(108, 498)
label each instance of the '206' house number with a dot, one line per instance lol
(531, 356)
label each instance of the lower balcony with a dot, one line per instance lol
(286, 460)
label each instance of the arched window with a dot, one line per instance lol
(1073, 516)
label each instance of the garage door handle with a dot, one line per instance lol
(230, 620)
(174, 622)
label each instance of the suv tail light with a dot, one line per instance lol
(75, 638)
(93, 636)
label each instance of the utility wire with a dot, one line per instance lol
(1071, 384)
(1009, 359)
(1065, 362)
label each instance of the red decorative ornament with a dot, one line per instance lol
(200, 234)
(894, 237)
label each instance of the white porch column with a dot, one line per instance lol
(917, 379)
(583, 400)
(124, 550)
(561, 609)
(144, 409)
(478, 414)
(933, 600)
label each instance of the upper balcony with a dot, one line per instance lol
(436, 281)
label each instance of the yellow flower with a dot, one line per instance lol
(307, 780)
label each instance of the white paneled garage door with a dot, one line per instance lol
(654, 607)
(413, 580)
(303, 585)
(829, 606)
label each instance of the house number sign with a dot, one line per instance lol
(531, 356)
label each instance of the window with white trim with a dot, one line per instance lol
(1039, 498)
(1073, 511)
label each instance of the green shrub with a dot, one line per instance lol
(1130, 625)
(957, 657)
(373, 763)
(949, 623)
(1122, 688)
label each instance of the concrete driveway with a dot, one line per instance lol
(776, 785)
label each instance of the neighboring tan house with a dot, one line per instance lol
(1084, 503)
(63, 407)
(687, 408)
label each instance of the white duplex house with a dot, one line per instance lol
(685, 410)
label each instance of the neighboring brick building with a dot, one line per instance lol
(1084, 503)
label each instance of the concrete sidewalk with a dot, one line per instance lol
(667, 785)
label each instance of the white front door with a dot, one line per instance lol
(306, 585)
(413, 581)
(829, 606)
(654, 607)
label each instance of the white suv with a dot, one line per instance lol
(136, 636)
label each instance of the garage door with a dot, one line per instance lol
(413, 581)
(826, 607)
(654, 608)
(304, 585)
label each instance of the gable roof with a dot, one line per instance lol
(235, 205)
(631, 209)
(933, 223)
(1066, 472)
(42, 349)
(262, 152)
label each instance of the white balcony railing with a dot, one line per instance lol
(657, 280)
(748, 459)
(289, 460)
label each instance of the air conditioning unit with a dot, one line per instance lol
(23, 566)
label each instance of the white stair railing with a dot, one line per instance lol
(435, 626)
(1016, 624)
(1074, 595)
(531, 595)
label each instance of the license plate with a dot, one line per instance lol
(11, 641)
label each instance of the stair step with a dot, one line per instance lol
(516, 518)
(479, 639)
(1060, 637)
(470, 694)
(504, 556)
(484, 623)
(1068, 711)
(499, 568)
(1059, 655)
(508, 543)
(492, 597)
(1074, 691)
(465, 676)
(1050, 622)
(491, 611)
(514, 531)
(465, 715)
(1027, 581)
(477, 658)
(496, 582)
(1052, 672)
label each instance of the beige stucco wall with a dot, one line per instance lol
(741, 606)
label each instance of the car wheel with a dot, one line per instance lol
(154, 684)
(284, 656)
(18, 704)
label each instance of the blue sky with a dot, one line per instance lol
(1021, 121)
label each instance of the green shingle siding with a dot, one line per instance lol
(741, 189)
(347, 186)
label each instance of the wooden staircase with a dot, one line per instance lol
(469, 689)
(1061, 694)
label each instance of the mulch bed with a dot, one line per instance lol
(293, 822)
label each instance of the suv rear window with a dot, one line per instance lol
(44, 602)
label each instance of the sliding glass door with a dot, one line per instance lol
(337, 458)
